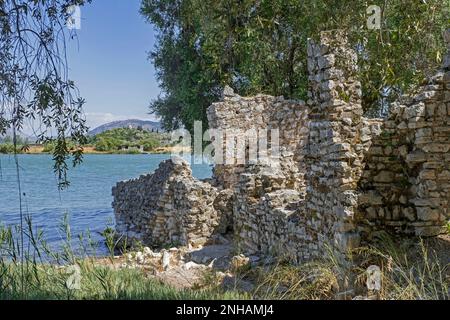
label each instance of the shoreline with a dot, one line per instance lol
(34, 150)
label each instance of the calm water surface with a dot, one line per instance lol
(87, 201)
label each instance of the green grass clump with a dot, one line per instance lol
(46, 282)
(35, 272)
(410, 270)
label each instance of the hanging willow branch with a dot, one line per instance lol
(34, 80)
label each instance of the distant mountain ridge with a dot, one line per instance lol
(131, 123)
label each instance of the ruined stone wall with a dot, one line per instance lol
(361, 175)
(335, 151)
(168, 207)
(258, 117)
(257, 222)
(274, 218)
(406, 181)
(340, 178)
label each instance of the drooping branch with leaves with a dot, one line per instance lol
(35, 88)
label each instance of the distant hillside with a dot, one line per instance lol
(133, 123)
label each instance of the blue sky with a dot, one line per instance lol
(109, 61)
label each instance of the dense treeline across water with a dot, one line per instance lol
(120, 140)
(128, 138)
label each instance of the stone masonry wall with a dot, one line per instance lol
(167, 207)
(339, 179)
(262, 114)
(406, 180)
(361, 175)
(272, 217)
(334, 154)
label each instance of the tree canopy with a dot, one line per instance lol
(259, 46)
(116, 139)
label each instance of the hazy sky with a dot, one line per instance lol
(109, 61)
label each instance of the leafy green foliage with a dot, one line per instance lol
(34, 80)
(50, 146)
(120, 138)
(8, 145)
(6, 148)
(260, 47)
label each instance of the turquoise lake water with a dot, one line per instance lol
(87, 201)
